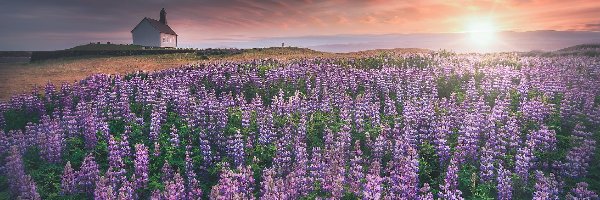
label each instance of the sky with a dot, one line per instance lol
(330, 25)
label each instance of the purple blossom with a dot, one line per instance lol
(236, 184)
(449, 190)
(374, 182)
(174, 136)
(545, 187)
(68, 184)
(20, 183)
(356, 174)
(166, 172)
(175, 188)
(442, 132)
(104, 189)
(504, 183)
(486, 166)
(126, 191)
(192, 187)
(140, 164)
(404, 177)
(88, 175)
(524, 160)
(115, 154)
(425, 193)
(578, 158)
(235, 149)
(582, 192)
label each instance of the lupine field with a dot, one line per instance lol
(405, 126)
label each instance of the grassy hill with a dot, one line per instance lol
(581, 47)
(592, 50)
(99, 47)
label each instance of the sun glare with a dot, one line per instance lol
(481, 31)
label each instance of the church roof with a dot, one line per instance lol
(163, 28)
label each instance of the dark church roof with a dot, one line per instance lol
(163, 28)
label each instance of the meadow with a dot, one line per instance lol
(427, 125)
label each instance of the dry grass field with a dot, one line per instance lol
(22, 77)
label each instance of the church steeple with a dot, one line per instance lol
(163, 16)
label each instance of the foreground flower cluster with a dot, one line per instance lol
(428, 126)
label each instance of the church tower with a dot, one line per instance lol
(163, 16)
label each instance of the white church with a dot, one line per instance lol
(152, 33)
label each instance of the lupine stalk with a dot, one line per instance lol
(140, 164)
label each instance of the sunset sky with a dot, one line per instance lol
(59, 24)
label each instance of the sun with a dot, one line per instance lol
(481, 31)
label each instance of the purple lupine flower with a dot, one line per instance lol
(158, 117)
(116, 177)
(271, 187)
(545, 187)
(88, 175)
(373, 186)
(390, 106)
(410, 179)
(115, 158)
(175, 188)
(442, 132)
(193, 186)
(28, 189)
(4, 142)
(578, 158)
(510, 134)
(356, 174)
(245, 119)
(156, 195)
(544, 139)
(283, 157)
(51, 140)
(167, 172)
(316, 166)
(523, 162)
(469, 137)
(582, 192)
(104, 190)
(174, 136)
(20, 183)
(125, 148)
(234, 185)
(140, 164)
(504, 183)
(379, 147)
(89, 123)
(535, 110)
(126, 191)
(334, 170)
(449, 190)
(235, 149)
(300, 176)
(265, 128)
(486, 166)
(425, 193)
(68, 180)
(205, 150)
